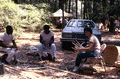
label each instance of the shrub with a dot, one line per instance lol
(22, 16)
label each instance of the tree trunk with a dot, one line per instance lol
(84, 9)
(60, 4)
(55, 2)
(16, 1)
(72, 7)
(81, 10)
(112, 25)
(104, 10)
(76, 9)
(93, 6)
(66, 5)
(69, 6)
(104, 5)
(112, 2)
(118, 2)
(48, 1)
(63, 18)
(95, 11)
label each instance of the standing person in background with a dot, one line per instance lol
(117, 26)
(59, 23)
(101, 26)
(106, 24)
(111, 25)
(47, 40)
(5, 41)
(66, 21)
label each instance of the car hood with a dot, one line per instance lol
(78, 30)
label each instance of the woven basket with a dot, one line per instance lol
(110, 55)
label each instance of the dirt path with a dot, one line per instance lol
(65, 59)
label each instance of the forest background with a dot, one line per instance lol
(34, 14)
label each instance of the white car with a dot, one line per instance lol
(74, 30)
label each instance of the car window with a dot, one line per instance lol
(80, 24)
(72, 24)
(89, 24)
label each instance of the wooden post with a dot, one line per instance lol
(1, 68)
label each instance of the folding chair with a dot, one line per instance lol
(103, 46)
(88, 69)
(108, 55)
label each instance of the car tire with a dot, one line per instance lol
(63, 45)
(67, 45)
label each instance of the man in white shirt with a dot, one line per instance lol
(101, 26)
(47, 40)
(5, 41)
(117, 25)
(91, 51)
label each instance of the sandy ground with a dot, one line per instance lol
(65, 60)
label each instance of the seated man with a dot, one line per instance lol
(47, 40)
(91, 51)
(5, 40)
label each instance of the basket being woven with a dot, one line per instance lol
(117, 64)
(110, 55)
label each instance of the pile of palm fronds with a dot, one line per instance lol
(77, 45)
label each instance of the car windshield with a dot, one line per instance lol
(72, 24)
(89, 24)
(81, 24)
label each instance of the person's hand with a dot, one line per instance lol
(50, 44)
(80, 50)
(76, 48)
(76, 45)
(47, 44)
(43, 42)
(10, 46)
(16, 49)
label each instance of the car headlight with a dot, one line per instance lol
(67, 35)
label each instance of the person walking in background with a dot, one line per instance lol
(47, 40)
(117, 26)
